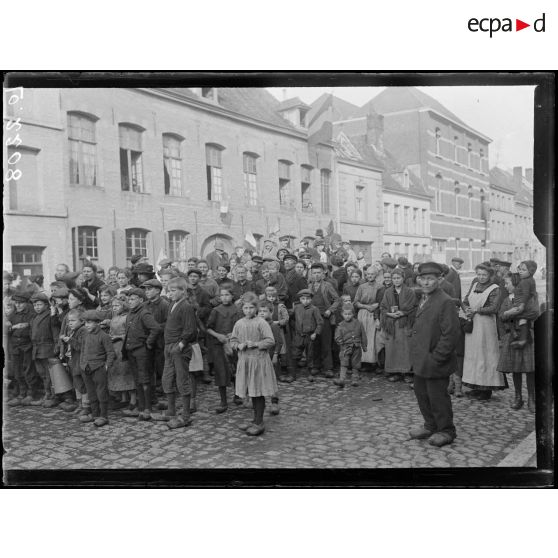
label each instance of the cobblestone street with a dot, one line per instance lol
(320, 426)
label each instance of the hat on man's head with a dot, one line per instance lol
(430, 268)
(284, 237)
(92, 316)
(138, 292)
(135, 259)
(305, 292)
(494, 261)
(219, 245)
(144, 269)
(458, 260)
(305, 256)
(319, 242)
(152, 283)
(502, 263)
(257, 259)
(59, 289)
(269, 240)
(290, 257)
(318, 265)
(390, 262)
(402, 260)
(268, 259)
(319, 232)
(165, 263)
(337, 261)
(39, 297)
(194, 271)
(21, 296)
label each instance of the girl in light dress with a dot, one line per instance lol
(255, 376)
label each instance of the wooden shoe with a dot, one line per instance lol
(255, 429)
(15, 402)
(162, 417)
(328, 374)
(86, 418)
(283, 378)
(394, 378)
(245, 427)
(419, 433)
(50, 403)
(100, 421)
(132, 413)
(237, 400)
(339, 383)
(440, 439)
(26, 401)
(145, 415)
(178, 423)
(274, 409)
(517, 403)
(68, 407)
(221, 409)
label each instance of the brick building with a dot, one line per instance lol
(403, 209)
(107, 173)
(451, 160)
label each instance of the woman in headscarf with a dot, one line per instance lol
(397, 314)
(367, 305)
(481, 345)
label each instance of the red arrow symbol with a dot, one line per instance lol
(519, 25)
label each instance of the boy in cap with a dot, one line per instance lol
(141, 335)
(326, 300)
(20, 348)
(351, 338)
(159, 308)
(432, 344)
(44, 337)
(97, 356)
(308, 327)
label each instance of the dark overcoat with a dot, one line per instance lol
(434, 337)
(453, 278)
(44, 334)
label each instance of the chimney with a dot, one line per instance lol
(518, 176)
(375, 130)
(529, 175)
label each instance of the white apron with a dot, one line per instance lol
(481, 346)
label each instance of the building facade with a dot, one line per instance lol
(108, 173)
(451, 160)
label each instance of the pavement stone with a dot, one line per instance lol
(319, 426)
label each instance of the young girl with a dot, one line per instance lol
(351, 286)
(252, 338)
(219, 328)
(106, 294)
(120, 378)
(512, 361)
(526, 304)
(123, 279)
(397, 312)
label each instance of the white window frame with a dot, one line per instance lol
(78, 143)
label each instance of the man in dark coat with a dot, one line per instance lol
(453, 276)
(432, 346)
(218, 256)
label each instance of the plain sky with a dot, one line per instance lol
(503, 113)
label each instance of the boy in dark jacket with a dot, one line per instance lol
(97, 356)
(44, 337)
(141, 336)
(308, 326)
(351, 339)
(20, 347)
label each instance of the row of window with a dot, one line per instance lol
(460, 154)
(501, 201)
(405, 219)
(459, 190)
(501, 229)
(85, 243)
(83, 166)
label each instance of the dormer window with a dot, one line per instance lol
(295, 111)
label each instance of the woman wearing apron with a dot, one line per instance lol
(481, 345)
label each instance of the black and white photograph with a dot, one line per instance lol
(210, 275)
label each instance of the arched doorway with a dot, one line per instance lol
(208, 245)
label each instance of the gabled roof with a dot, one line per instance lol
(394, 99)
(292, 103)
(391, 167)
(341, 109)
(502, 179)
(254, 102)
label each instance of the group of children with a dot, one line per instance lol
(124, 341)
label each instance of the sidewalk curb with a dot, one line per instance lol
(522, 453)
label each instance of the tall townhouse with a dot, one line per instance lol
(502, 214)
(108, 173)
(403, 210)
(450, 158)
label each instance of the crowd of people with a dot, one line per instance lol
(140, 339)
